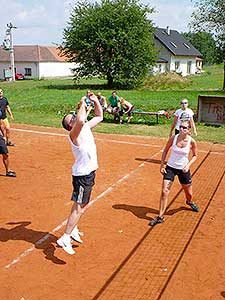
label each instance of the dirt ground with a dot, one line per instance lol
(122, 257)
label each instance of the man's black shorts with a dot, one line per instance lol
(123, 111)
(3, 147)
(82, 187)
(184, 178)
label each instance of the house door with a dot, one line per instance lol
(189, 67)
(7, 73)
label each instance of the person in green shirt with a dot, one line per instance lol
(114, 105)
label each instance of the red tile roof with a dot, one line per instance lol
(33, 53)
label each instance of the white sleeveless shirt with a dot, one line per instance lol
(179, 156)
(86, 154)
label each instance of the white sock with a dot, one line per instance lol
(75, 229)
(66, 236)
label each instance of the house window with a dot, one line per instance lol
(173, 44)
(167, 68)
(160, 68)
(187, 46)
(177, 65)
(28, 72)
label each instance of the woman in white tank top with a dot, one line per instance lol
(178, 164)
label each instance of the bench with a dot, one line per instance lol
(152, 113)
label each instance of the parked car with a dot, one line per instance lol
(19, 76)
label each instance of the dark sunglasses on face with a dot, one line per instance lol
(184, 102)
(70, 125)
(183, 127)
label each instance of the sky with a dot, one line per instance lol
(41, 22)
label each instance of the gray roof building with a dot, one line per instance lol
(175, 42)
(175, 53)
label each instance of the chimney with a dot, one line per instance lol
(168, 30)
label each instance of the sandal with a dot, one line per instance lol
(11, 174)
(157, 220)
(193, 206)
(10, 144)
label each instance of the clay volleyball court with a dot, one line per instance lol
(121, 257)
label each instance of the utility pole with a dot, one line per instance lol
(8, 44)
(224, 74)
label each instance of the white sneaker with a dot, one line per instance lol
(75, 234)
(66, 245)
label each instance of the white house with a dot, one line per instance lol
(176, 54)
(36, 61)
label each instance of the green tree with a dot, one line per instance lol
(205, 43)
(209, 16)
(111, 38)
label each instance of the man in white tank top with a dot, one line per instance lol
(83, 170)
(178, 164)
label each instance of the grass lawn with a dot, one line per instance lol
(44, 102)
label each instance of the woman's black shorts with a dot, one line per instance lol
(184, 178)
(82, 187)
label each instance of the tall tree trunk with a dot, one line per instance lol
(109, 81)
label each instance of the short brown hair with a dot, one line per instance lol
(66, 124)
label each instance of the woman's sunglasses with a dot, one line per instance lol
(184, 127)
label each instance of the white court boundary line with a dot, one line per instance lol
(97, 139)
(110, 140)
(107, 191)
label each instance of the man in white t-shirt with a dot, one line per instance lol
(83, 170)
(181, 114)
